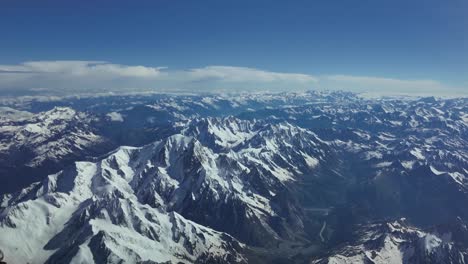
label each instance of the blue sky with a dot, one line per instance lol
(418, 46)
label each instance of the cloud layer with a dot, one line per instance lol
(242, 74)
(81, 68)
(391, 86)
(77, 77)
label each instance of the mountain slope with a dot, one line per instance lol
(397, 242)
(242, 189)
(87, 215)
(49, 137)
(286, 192)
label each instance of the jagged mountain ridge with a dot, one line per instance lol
(97, 208)
(34, 145)
(177, 174)
(294, 184)
(398, 242)
(49, 136)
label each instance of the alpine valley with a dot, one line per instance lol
(313, 177)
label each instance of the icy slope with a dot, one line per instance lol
(48, 137)
(134, 205)
(89, 214)
(395, 243)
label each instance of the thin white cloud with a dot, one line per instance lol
(82, 68)
(65, 77)
(76, 77)
(379, 81)
(389, 86)
(243, 74)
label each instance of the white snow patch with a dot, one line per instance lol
(408, 164)
(416, 152)
(435, 171)
(431, 242)
(311, 161)
(115, 117)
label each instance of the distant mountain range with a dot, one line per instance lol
(316, 177)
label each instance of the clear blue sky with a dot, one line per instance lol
(404, 40)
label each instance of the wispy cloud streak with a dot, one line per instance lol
(75, 77)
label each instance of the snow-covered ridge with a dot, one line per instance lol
(92, 210)
(243, 176)
(397, 242)
(221, 133)
(49, 136)
(145, 196)
(8, 113)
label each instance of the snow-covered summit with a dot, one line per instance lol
(149, 196)
(397, 242)
(49, 136)
(92, 213)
